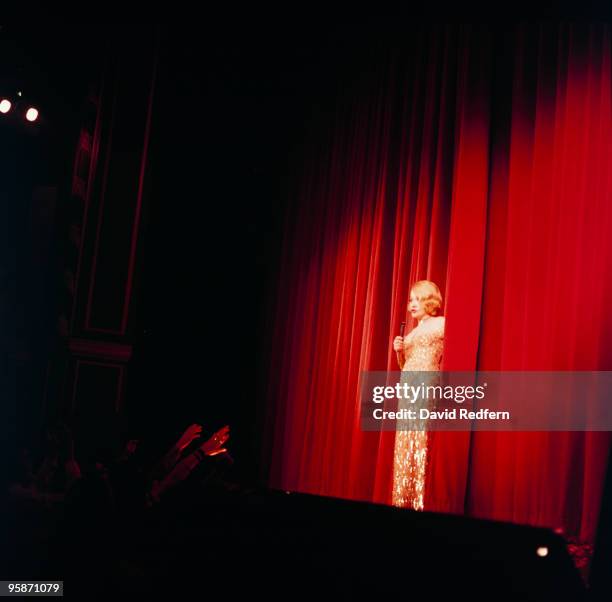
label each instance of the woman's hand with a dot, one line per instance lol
(398, 344)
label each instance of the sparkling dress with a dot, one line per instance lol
(423, 352)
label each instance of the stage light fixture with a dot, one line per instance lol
(31, 114)
(5, 105)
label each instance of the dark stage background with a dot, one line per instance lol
(232, 107)
(231, 112)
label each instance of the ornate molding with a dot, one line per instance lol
(103, 350)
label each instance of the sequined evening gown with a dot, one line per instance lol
(423, 352)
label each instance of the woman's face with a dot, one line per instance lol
(416, 307)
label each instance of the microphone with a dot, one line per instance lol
(402, 326)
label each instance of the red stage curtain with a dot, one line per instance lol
(481, 161)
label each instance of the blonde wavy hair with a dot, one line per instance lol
(429, 293)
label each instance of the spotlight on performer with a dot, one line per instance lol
(32, 114)
(5, 105)
(542, 551)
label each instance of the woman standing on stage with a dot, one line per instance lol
(420, 350)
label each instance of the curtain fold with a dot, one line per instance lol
(481, 161)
